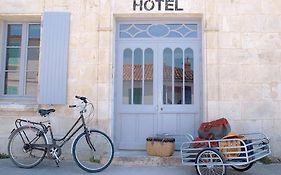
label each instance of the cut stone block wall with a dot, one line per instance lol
(241, 52)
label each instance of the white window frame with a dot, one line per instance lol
(23, 60)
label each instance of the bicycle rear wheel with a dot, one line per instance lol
(22, 150)
(93, 154)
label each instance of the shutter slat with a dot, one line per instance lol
(54, 58)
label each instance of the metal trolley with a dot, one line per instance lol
(210, 157)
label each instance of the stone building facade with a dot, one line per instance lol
(237, 50)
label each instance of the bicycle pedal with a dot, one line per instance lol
(57, 162)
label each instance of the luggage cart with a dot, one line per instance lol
(211, 157)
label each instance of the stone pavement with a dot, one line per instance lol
(48, 167)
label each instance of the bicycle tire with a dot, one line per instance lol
(20, 150)
(90, 160)
(242, 168)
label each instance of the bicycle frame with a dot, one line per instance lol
(29, 141)
(71, 132)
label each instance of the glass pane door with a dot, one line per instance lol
(178, 84)
(138, 76)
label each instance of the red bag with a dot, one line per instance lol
(216, 129)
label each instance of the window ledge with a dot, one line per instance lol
(18, 106)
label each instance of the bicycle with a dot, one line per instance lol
(28, 145)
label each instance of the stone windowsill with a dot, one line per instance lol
(18, 105)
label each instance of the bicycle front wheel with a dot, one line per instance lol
(22, 147)
(93, 153)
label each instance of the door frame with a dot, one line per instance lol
(116, 46)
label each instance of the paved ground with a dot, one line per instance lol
(48, 167)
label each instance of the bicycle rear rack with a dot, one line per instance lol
(23, 122)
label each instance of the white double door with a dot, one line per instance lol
(157, 91)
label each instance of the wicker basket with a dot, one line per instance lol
(226, 147)
(157, 146)
(233, 146)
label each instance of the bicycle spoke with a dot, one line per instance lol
(209, 161)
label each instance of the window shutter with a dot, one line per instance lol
(54, 58)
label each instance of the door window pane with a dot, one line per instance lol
(31, 83)
(137, 85)
(167, 76)
(12, 59)
(33, 59)
(138, 76)
(34, 35)
(127, 75)
(188, 78)
(178, 76)
(178, 85)
(14, 35)
(11, 83)
(148, 76)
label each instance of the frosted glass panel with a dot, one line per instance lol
(156, 30)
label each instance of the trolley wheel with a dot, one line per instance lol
(210, 162)
(242, 168)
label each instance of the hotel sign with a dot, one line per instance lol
(159, 5)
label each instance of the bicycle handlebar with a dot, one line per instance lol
(84, 104)
(72, 106)
(84, 99)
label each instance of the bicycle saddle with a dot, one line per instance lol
(44, 112)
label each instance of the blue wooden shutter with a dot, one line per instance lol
(54, 58)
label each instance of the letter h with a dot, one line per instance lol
(135, 4)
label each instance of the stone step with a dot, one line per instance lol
(141, 158)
